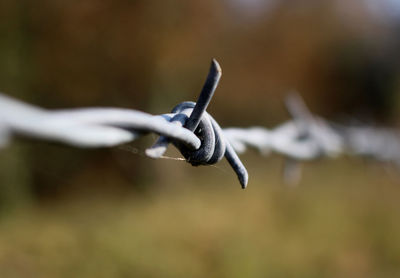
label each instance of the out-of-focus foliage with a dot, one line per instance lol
(204, 226)
(341, 55)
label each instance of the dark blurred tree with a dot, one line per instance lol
(363, 81)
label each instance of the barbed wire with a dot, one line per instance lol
(197, 135)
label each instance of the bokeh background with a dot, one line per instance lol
(67, 212)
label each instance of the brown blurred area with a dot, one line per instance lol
(150, 55)
(342, 56)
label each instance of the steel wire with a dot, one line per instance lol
(197, 135)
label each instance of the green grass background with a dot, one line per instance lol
(342, 220)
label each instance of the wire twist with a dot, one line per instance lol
(197, 135)
(189, 127)
(194, 117)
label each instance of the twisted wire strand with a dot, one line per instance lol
(90, 127)
(306, 137)
(198, 136)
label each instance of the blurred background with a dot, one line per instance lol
(115, 213)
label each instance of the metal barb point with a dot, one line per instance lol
(237, 166)
(202, 103)
(297, 108)
(213, 77)
(206, 95)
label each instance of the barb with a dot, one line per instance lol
(198, 136)
(213, 143)
(189, 127)
(205, 97)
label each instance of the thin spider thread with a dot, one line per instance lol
(134, 150)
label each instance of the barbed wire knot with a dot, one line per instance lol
(193, 116)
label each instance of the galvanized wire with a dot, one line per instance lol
(197, 135)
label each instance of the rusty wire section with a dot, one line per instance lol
(198, 136)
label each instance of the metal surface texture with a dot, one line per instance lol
(197, 135)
